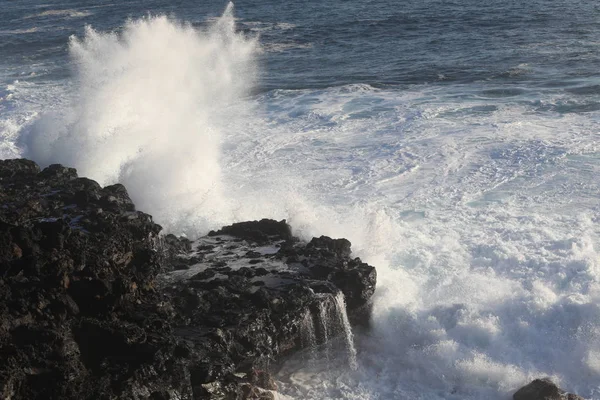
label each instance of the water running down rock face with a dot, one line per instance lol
(333, 323)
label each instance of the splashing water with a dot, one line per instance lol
(148, 114)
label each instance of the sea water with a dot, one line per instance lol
(455, 143)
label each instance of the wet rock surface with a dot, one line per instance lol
(543, 389)
(96, 304)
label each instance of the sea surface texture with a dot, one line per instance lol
(454, 143)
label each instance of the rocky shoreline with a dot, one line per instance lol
(96, 304)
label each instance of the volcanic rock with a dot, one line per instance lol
(96, 304)
(543, 389)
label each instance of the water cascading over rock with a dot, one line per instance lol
(334, 330)
(308, 336)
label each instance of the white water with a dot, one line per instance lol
(482, 222)
(483, 229)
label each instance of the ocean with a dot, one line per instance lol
(454, 143)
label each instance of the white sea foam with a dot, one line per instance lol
(481, 221)
(259, 26)
(60, 13)
(279, 47)
(20, 31)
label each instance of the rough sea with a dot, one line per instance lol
(455, 143)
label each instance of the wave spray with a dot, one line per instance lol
(147, 112)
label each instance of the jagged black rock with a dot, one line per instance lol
(96, 304)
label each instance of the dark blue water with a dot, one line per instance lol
(540, 44)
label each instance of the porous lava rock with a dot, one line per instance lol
(96, 304)
(543, 389)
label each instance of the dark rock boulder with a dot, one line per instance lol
(68, 267)
(339, 247)
(329, 260)
(116, 197)
(58, 172)
(263, 231)
(17, 168)
(543, 389)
